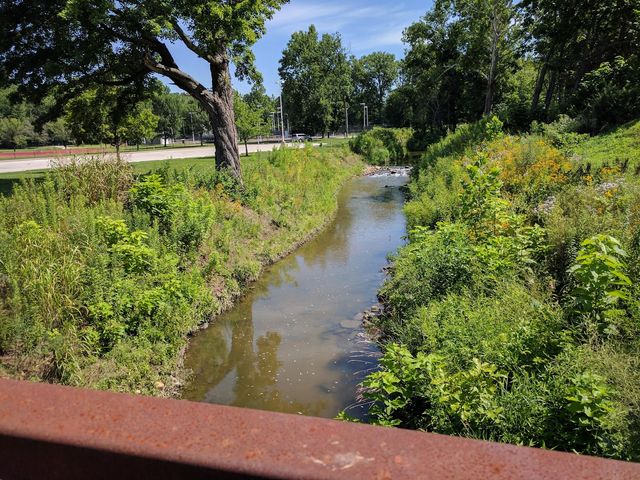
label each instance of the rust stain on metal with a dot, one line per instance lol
(58, 432)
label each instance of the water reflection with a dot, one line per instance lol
(286, 347)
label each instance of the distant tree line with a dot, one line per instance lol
(524, 61)
(107, 115)
(322, 83)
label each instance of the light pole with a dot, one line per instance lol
(273, 122)
(364, 116)
(281, 113)
(346, 120)
(366, 109)
(193, 133)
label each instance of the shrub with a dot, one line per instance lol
(600, 278)
(432, 265)
(382, 146)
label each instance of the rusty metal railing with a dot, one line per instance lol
(54, 432)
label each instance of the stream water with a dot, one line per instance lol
(294, 343)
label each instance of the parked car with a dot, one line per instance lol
(301, 137)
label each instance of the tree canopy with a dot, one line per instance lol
(316, 81)
(67, 46)
(373, 78)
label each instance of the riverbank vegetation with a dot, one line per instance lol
(512, 314)
(383, 146)
(104, 273)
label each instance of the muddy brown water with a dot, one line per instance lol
(292, 344)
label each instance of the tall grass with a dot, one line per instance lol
(103, 273)
(515, 304)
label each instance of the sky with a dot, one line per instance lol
(365, 26)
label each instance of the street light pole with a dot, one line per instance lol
(281, 116)
(346, 118)
(193, 133)
(364, 116)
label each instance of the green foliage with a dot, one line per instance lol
(102, 277)
(373, 77)
(600, 277)
(382, 146)
(316, 81)
(501, 321)
(106, 115)
(14, 132)
(250, 121)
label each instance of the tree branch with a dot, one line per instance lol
(189, 43)
(181, 79)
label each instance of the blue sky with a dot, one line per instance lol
(365, 25)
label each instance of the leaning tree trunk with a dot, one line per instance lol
(219, 106)
(217, 101)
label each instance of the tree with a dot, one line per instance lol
(373, 77)
(460, 57)
(103, 115)
(58, 132)
(15, 132)
(70, 45)
(140, 124)
(570, 39)
(172, 110)
(250, 121)
(196, 120)
(317, 81)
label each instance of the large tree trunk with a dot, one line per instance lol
(550, 91)
(217, 101)
(537, 91)
(491, 81)
(223, 121)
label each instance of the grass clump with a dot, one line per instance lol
(105, 271)
(512, 314)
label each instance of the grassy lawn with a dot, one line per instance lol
(619, 145)
(7, 180)
(107, 148)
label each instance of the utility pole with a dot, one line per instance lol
(281, 117)
(193, 133)
(346, 120)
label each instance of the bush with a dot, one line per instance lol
(103, 278)
(515, 303)
(382, 146)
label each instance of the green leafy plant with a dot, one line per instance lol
(600, 277)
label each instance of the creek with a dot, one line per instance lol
(295, 343)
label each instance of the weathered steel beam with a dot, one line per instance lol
(55, 432)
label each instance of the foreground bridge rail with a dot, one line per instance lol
(58, 432)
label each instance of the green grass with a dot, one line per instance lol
(513, 314)
(104, 273)
(8, 180)
(617, 146)
(106, 148)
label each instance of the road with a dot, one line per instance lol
(10, 166)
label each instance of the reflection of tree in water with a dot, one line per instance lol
(256, 369)
(332, 244)
(386, 204)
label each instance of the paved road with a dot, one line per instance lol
(9, 166)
